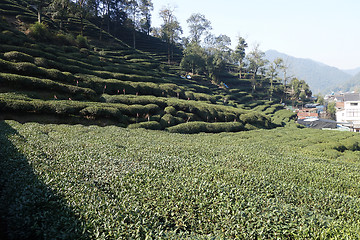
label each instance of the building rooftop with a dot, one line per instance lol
(317, 123)
(351, 97)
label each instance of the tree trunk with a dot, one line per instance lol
(101, 25)
(169, 61)
(39, 14)
(82, 25)
(134, 38)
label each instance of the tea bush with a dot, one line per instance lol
(18, 57)
(153, 125)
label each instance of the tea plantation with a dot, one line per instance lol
(51, 76)
(90, 182)
(99, 140)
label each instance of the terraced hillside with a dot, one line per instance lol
(57, 78)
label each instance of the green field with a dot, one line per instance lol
(91, 182)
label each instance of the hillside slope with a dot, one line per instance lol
(353, 84)
(352, 72)
(56, 78)
(320, 77)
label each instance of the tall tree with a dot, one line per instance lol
(39, 5)
(198, 25)
(194, 59)
(218, 55)
(331, 110)
(299, 87)
(133, 11)
(257, 63)
(60, 9)
(222, 44)
(239, 54)
(284, 68)
(82, 11)
(146, 7)
(273, 72)
(215, 65)
(170, 29)
(139, 12)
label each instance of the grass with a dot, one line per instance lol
(133, 183)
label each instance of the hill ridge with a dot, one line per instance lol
(320, 77)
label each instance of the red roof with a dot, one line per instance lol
(302, 115)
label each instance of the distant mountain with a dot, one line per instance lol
(320, 77)
(353, 84)
(352, 72)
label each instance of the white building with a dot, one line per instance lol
(350, 113)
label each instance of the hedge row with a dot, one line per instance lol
(197, 127)
(127, 114)
(30, 69)
(14, 81)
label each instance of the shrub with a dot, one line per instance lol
(197, 127)
(182, 115)
(152, 108)
(41, 62)
(170, 110)
(40, 32)
(81, 41)
(16, 56)
(28, 68)
(84, 51)
(251, 117)
(107, 112)
(168, 120)
(249, 127)
(191, 127)
(65, 39)
(153, 125)
(224, 127)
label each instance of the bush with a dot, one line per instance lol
(170, 110)
(153, 125)
(27, 68)
(182, 114)
(190, 127)
(65, 39)
(168, 120)
(197, 127)
(152, 108)
(107, 112)
(81, 41)
(41, 62)
(40, 32)
(16, 56)
(84, 51)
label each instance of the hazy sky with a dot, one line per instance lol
(327, 31)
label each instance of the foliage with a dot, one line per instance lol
(170, 30)
(239, 54)
(257, 63)
(81, 41)
(199, 26)
(197, 127)
(194, 59)
(16, 56)
(77, 182)
(300, 89)
(40, 32)
(330, 109)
